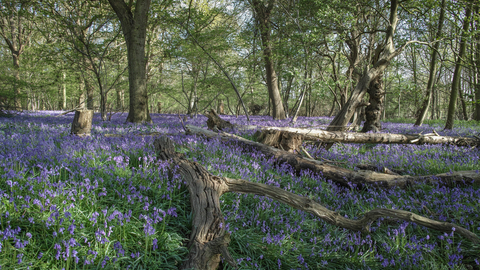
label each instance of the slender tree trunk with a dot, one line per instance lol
(120, 99)
(462, 103)
(263, 13)
(134, 26)
(458, 70)
(433, 71)
(16, 86)
(477, 65)
(287, 92)
(64, 92)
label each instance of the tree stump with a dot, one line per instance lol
(82, 123)
(215, 122)
(287, 141)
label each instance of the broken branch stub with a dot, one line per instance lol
(214, 121)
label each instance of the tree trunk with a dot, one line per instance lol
(90, 94)
(463, 103)
(458, 70)
(134, 27)
(120, 99)
(373, 112)
(477, 65)
(388, 53)
(82, 123)
(340, 175)
(433, 71)
(287, 93)
(221, 107)
(64, 92)
(262, 14)
(16, 85)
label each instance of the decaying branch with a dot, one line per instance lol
(332, 217)
(208, 239)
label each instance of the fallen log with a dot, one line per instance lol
(350, 137)
(208, 239)
(341, 175)
(387, 138)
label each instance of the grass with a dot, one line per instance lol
(107, 203)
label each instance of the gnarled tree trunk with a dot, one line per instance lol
(82, 123)
(388, 53)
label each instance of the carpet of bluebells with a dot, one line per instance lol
(107, 203)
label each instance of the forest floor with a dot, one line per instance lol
(107, 203)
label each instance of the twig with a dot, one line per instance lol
(181, 121)
(305, 151)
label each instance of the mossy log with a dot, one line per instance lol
(209, 241)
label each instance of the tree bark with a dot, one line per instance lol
(134, 27)
(458, 69)
(208, 239)
(373, 112)
(287, 141)
(433, 69)
(477, 66)
(262, 14)
(340, 175)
